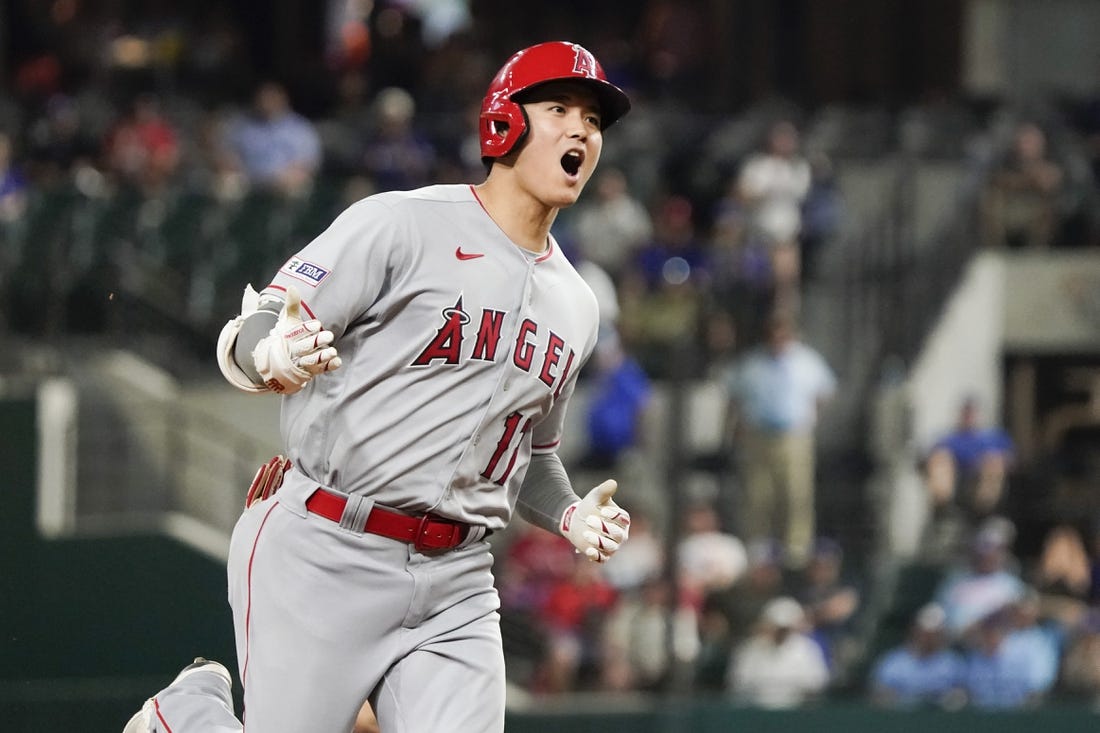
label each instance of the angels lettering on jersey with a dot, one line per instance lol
(535, 350)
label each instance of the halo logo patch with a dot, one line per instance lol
(304, 271)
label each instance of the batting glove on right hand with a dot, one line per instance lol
(596, 525)
(295, 351)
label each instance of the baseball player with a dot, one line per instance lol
(425, 347)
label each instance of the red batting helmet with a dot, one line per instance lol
(503, 124)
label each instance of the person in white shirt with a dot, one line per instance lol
(772, 185)
(779, 666)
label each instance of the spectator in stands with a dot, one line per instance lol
(1035, 637)
(966, 472)
(728, 615)
(1080, 669)
(822, 215)
(743, 286)
(1021, 200)
(1062, 575)
(13, 183)
(529, 565)
(674, 50)
(985, 584)
(343, 130)
(603, 287)
(611, 227)
(397, 155)
(772, 186)
(708, 559)
(776, 391)
(13, 206)
(215, 67)
(1000, 674)
(57, 144)
(272, 146)
(831, 600)
(1094, 563)
(779, 665)
(142, 148)
(663, 290)
(619, 394)
(572, 616)
(925, 670)
(637, 638)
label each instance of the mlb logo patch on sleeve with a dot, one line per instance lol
(304, 271)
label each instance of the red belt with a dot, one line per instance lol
(425, 532)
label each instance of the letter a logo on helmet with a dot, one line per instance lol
(584, 63)
(503, 123)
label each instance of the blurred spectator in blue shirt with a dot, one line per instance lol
(618, 398)
(1035, 638)
(13, 183)
(775, 393)
(966, 473)
(1002, 671)
(923, 671)
(981, 587)
(273, 146)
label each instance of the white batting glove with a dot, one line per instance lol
(596, 525)
(295, 351)
(227, 342)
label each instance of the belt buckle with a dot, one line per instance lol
(422, 541)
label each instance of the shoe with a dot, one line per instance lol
(142, 721)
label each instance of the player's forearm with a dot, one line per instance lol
(546, 492)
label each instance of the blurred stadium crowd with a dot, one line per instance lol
(142, 156)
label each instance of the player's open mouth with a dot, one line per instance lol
(571, 162)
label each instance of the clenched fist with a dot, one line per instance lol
(596, 525)
(295, 350)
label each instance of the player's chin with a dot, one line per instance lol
(565, 201)
(568, 194)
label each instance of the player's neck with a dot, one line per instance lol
(523, 219)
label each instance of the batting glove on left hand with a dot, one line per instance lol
(296, 350)
(596, 525)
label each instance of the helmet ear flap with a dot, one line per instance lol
(502, 129)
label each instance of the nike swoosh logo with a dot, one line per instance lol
(467, 255)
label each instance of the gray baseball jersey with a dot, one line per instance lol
(460, 351)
